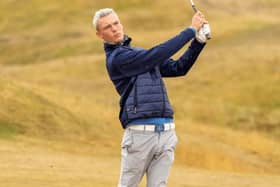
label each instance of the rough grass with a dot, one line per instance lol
(8, 130)
(55, 92)
(26, 165)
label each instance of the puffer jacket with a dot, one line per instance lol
(137, 74)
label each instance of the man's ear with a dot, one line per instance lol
(99, 35)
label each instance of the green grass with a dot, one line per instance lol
(8, 130)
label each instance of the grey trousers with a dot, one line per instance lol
(145, 152)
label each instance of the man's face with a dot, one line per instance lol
(110, 29)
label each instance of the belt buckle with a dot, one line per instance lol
(159, 128)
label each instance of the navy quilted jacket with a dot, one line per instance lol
(137, 74)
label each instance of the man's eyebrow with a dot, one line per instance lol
(106, 26)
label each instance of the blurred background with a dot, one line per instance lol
(59, 110)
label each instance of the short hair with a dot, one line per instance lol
(101, 13)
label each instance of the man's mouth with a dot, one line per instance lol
(117, 35)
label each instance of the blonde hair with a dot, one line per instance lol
(101, 13)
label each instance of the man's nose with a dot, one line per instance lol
(114, 27)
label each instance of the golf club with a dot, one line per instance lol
(205, 27)
(193, 6)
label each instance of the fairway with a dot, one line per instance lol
(59, 122)
(27, 165)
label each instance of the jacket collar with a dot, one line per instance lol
(110, 46)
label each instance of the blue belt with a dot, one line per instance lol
(152, 121)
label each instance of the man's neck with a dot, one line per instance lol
(117, 43)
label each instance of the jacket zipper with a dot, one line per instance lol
(135, 98)
(163, 97)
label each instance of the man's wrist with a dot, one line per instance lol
(193, 29)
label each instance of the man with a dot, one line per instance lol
(149, 140)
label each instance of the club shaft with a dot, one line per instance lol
(193, 6)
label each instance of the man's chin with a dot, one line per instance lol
(119, 39)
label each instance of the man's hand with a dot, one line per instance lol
(204, 33)
(200, 36)
(198, 20)
(202, 27)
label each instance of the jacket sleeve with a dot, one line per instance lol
(180, 67)
(131, 62)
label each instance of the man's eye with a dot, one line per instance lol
(107, 27)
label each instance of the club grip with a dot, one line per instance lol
(194, 8)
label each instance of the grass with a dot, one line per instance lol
(55, 92)
(8, 130)
(42, 166)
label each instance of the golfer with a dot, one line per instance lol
(149, 138)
